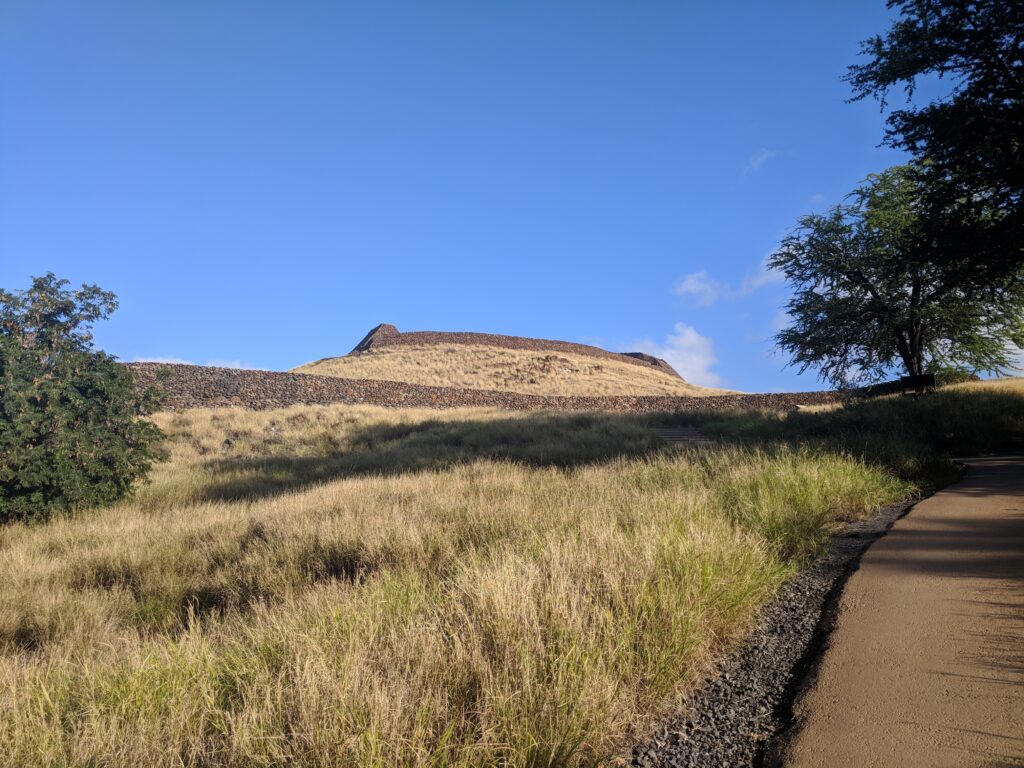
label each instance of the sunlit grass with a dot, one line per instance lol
(331, 586)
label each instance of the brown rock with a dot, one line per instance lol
(194, 386)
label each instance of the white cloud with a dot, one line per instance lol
(817, 197)
(762, 277)
(758, 159)
(691, 354)
(159, 359)
(703, 289)
(169, 360)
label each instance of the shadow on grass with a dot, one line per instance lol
(912, 437)
(541, 440)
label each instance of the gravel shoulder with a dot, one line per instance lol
(732, 719)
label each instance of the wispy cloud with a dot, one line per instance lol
(762, 277)
(691, 354)
(162, 359)
(170, 360)
(781, 320)
(704, 290)
(757, 161)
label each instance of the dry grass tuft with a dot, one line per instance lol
(506, 370)
(340, 586)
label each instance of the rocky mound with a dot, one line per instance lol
(387, 335)
(193, 386)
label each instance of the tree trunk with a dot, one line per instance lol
(918, 364)
(910, 353)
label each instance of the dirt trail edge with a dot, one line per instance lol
(925, 662)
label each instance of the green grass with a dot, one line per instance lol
(338, 586)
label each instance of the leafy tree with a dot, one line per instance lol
(869, 294)
(70, 428)
(973, 139)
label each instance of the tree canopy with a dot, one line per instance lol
(70, 428)
(870, 296)
(971, 142)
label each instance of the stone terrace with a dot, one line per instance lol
(193, 386)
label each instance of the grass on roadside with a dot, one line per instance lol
(325, 586)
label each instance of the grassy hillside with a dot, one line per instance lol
(509, 370)
(339, 586)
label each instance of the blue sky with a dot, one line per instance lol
(262, 182)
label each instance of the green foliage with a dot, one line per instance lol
(973, 138)
(70, 428)
(869, 293)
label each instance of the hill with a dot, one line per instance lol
(504, 363)
(353, 586)
(346, 585)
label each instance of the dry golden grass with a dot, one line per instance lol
(339, 586)
(1008, 385)
(507, 370)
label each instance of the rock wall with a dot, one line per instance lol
(387, 335)
(193, 386)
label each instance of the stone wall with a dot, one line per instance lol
(386, 335)
(193, 386)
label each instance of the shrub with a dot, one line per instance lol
(70, 428)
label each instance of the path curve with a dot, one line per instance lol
(925, 666)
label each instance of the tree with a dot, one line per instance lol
(869, 294)
(71, 426)
(973, 139)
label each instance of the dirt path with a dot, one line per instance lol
(925, 666)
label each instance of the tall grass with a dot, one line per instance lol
(914, 437)
(340, 586)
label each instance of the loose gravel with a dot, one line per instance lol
(734, 717)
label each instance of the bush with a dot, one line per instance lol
(70, 428)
